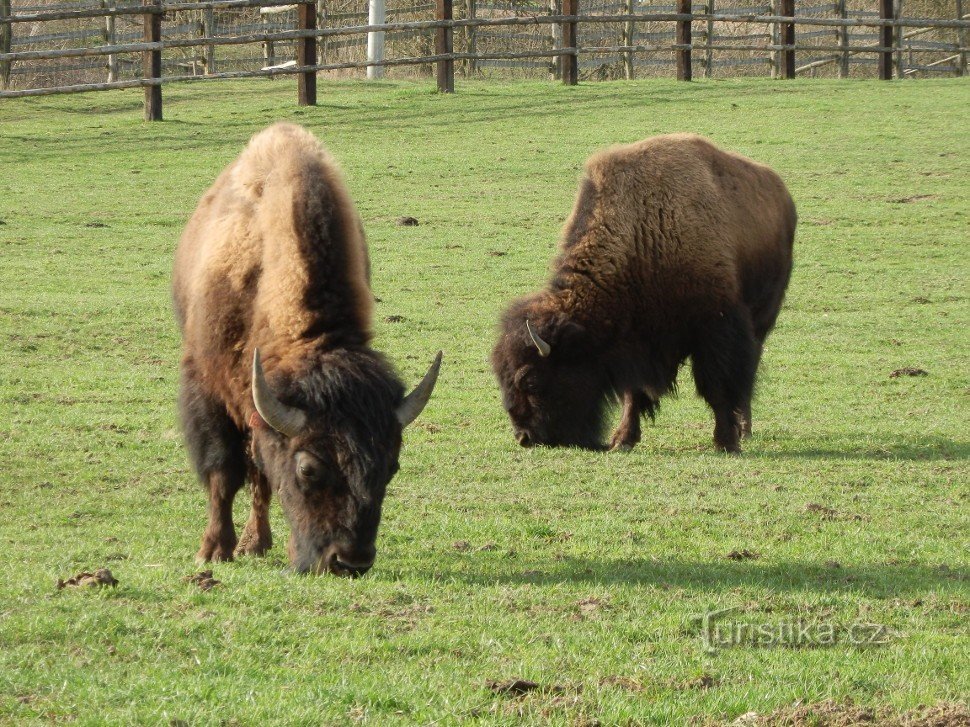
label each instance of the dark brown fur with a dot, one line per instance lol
(675, 249)
(274, 258)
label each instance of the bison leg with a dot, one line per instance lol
(725, 362)
(219, 538)
(627, 434)
(217, 451)
(745, 410)
(256, 537)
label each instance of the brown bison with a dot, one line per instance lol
(674, 249)
(278, 381)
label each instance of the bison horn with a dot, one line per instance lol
(415, 402)
(544, 348)
(284, 419)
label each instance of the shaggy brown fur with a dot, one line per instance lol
(274, 258)
(674, 249)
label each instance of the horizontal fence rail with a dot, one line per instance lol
(691, 39)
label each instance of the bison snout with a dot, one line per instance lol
(524, 439)
(341, 562)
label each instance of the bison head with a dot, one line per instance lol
(328, 442)
(551, 386)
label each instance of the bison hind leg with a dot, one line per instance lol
(217, 450)
(725, 362)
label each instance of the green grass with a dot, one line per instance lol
(581, 570)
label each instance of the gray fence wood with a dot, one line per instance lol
(6, 40)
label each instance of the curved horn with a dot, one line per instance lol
(284, 419)
(415, 402)
(544, 348)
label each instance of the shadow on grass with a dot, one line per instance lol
(853, 447)
(872, 580)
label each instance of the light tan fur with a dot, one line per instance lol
(243, 266)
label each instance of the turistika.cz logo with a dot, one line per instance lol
(719, 630)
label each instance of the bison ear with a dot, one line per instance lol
(572, 336)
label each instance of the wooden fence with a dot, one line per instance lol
(783, 47)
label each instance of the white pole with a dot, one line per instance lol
(375, 40)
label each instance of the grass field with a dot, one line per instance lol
(579, 571)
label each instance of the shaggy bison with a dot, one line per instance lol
(674, 249)
(278, 381)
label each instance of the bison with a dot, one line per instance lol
(279, 384)
(674, 249)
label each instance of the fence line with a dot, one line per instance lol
(563, 22)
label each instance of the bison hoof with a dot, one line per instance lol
(215, 550)
(623, 441)
(254, 544)
(728, 448)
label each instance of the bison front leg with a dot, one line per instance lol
(627, 433)
(217, 450)
(256, 537)
(219, 538)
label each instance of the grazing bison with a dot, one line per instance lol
(675, 248)
(278, 381)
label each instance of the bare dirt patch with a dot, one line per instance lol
(826, 513)
(847, 714)
(203, 579)
(912, 198)
(100, 577)
(908, 371)
(407, 221)
(743, 554)
(518, 687)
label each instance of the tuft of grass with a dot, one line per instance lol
(579, 572)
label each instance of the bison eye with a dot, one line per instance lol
(307, 467)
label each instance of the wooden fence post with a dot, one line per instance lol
(471, 65)
(110, 38)
(445, 45)
(269, 47)
(209, 30)
(555, 39)
(842, 34)
(886, 41)
(708, 50)
(787, 37)
(151, 61)
(683, 38)
(898, 39)
(306, 54)
(962, 40)
(569, 64)
(6, 41)
(629, 39)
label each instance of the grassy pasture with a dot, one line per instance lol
(579, 571)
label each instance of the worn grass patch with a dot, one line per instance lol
(579, 573)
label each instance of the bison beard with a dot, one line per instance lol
(278, 382)
(674, 250)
